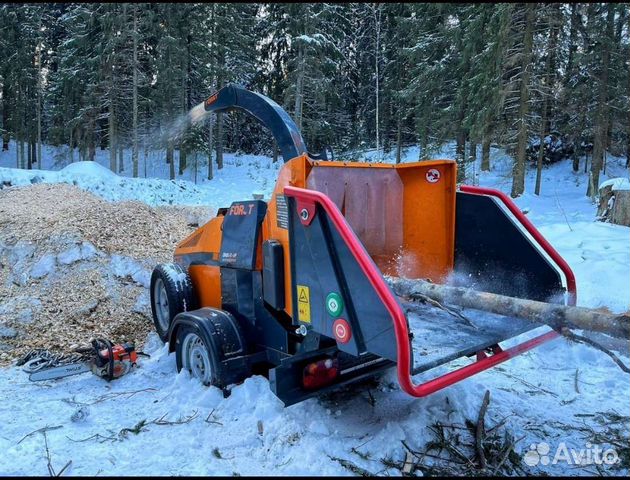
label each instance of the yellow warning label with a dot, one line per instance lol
(304, 303)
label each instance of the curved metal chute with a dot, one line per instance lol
(266, 111)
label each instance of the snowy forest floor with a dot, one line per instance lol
(559, 392)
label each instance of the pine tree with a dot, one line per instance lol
(602, 114)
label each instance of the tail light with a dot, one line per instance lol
(320, 373)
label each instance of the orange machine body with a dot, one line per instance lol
(403, 214)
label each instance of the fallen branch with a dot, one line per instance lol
(480, 432)
(575, 381)
(64, 468)
(51, 470)
(182, 420)
(95, 436)
(505, 456)
(43, 429)
(142, 424)
(450, 311)
(352, 467)
(581, 339)
(211, 415)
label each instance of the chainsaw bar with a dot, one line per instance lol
(59, 372)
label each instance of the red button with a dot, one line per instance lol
(341, 330)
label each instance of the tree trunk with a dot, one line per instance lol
(628, 114)
(134, 148)
(21, 157)
(35, 151)
(548, 89)
(518, 173)
(554, 315)
(182, 157)
(299, 88)
(121, 157)
(145, 156)
(460, 154)
(572, 40)
(485, 153)
(184, 100)
(576, 160)
(377, 22)
(6, 136)
(472, 151)
(112, 129)
(398, 137)
(29, 155)
(621, 208)
(210, 147)
(219, 140)
(614, 205)
(424, 139)
(71, 144)
(195, 164)
(601, 118)
(38, 157)
(169, 159)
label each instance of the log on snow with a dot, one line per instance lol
(554, 315)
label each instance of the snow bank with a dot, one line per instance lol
(616, 183)
(238, 180)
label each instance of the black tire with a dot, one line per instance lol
(171, 287)
(199, 355)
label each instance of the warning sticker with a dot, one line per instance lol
(433, 175)
(304, 303)
(282, 212)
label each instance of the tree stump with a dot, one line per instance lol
(614, 201)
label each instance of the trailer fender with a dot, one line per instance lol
(222, 334)
(217, 326)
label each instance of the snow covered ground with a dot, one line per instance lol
(242, 176)
(559, 392)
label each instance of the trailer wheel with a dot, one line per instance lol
(171, 293)
(198, 356)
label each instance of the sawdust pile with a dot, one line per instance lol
(128, 228)
(74, 266)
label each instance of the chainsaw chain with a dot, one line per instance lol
(41, 358)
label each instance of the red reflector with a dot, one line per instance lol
(320, 373)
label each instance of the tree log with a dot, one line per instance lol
(614, 202)
(554, 315)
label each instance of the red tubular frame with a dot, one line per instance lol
(533, 231)
(307, 199)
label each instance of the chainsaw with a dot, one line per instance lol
(103, 359)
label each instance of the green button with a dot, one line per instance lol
(334, 304)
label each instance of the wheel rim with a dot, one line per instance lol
(161, 304)
(195, 358)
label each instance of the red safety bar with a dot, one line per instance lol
(533, 231)
(307, 200)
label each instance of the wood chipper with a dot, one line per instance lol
(294, 288)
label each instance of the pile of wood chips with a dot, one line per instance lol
(78, 301)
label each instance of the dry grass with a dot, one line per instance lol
(83, 299)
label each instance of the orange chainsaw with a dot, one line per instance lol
(103, 359)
